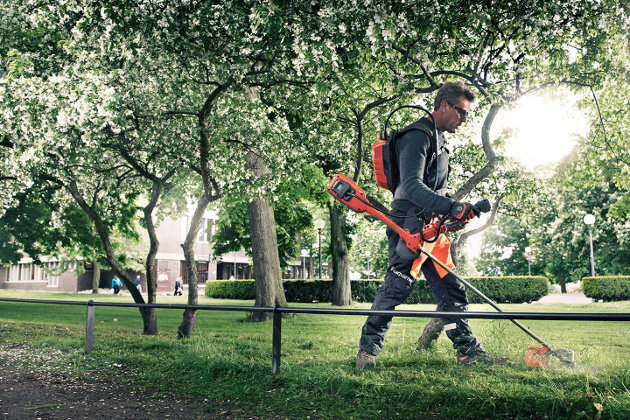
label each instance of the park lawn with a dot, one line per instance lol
(230, 360)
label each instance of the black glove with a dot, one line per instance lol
(463, 212)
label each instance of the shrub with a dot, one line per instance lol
(297, 290)
(512, 289)
(231, 289)
(607, 288)
(516, 289)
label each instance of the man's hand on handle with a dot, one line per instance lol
(462, 212)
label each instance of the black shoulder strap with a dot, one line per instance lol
(429, 132)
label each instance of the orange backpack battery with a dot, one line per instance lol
(384, 151)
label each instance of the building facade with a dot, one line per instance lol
(169, 264)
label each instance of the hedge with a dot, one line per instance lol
(231, 289)
(516, 289)
(607, 288)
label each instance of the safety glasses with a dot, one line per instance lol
(463, 114)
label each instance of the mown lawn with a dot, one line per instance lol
(230, 360)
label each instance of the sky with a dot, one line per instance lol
(545, 129)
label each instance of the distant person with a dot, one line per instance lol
(178, 287)
(139, 284)
(116, 283)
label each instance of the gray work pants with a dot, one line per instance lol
(448, 291)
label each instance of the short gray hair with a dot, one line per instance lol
(451, 92)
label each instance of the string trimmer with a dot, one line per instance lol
(350, 194)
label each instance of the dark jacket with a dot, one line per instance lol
(419, 186)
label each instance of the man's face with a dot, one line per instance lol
(454, 114)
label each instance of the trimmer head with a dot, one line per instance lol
(566, 357)
(538, 357)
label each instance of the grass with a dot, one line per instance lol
(230, 360)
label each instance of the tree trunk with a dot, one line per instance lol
(154, 245)
(150, 323)
(341, 293)
(561, 280)
(190, 315)
(96, 277)
(430, 333)
(262, 225)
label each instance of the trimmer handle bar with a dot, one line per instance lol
(350, 194)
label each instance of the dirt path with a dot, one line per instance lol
(32, 394)
(41, 395)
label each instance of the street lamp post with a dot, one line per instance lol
(589, 220)
(319, 225)
(367, 254)
(528, 257)
(304, 254)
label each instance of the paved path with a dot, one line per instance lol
(577, 298)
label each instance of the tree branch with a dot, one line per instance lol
(493, 161)
(188, 113)
(6, 142)
(207, 106)
(464, 236)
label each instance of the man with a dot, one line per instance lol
(424, 172)
(116, 283)
(178, 287)
(139, 284)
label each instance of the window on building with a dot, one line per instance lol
(201, 234)
(206, 230)
(25, 272)
(53, 281)
(32, 272)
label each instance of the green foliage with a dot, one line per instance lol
(369, 237)
(607, 288)
(307, 290)
(291, 213)
(26, 225)
(621, 209)
(499, 289)
(503, 248)
(42, 222)
(560, 238)
(509, 289)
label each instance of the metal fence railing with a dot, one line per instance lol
(276, 340)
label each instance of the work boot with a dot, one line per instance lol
(365, 360)
(480, 356)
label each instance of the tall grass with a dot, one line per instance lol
(229, 359)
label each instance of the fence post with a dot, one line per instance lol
(89, 327)
(276, 342)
